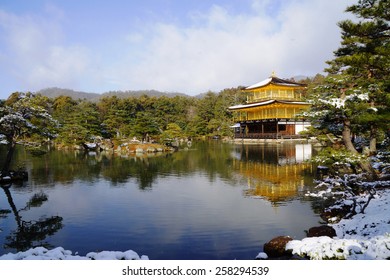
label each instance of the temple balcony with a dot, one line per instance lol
(287, 95)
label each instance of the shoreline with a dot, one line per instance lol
(355, 227)
(265, 141)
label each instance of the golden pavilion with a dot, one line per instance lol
(271, 110)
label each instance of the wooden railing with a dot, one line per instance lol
(269, 112)
(260, 96)
(279, 135)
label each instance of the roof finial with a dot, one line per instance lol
(273, 75)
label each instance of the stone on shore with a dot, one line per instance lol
(276, 247)
(321, 231)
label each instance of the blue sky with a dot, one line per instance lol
(169, 45)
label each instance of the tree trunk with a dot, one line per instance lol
(373, 135)
(364, 165)
(13, 206)
(369, 170)
(347, 137)
(8, 159)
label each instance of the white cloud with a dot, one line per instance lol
(217, 50)
(60, 66)
(36, 56)
(224, 50)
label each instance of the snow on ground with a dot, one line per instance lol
(364, 236)
(59, 253)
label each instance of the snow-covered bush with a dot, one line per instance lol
(338, 159)
(349, 193)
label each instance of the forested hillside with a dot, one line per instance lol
(56, 92)
(117, 117)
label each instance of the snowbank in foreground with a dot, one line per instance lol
(59, 253)
(364, 236)
(319, 248)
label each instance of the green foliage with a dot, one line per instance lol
(80, 120)
(153, 116)
(212, 117)
(332, 157)
(364, 56)
(22, 117)
(334, 101)
(145, 124)
(117, 116)
(172, 131)
(25, 115)
(161, 117)
(73, 134)
(354, 99)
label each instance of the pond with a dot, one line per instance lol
(213, 200)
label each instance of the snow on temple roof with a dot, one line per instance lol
(276, 81)
(241, 106)
(235, 107)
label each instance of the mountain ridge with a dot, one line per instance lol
(54, 92)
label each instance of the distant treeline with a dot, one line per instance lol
(56, 92)
(159, 115)
(82, 120)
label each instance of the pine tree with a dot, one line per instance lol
(22, 117)
(364, 58)
(354, 99)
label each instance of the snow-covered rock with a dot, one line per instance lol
(59, 253)
(324, 247)
(364, 236)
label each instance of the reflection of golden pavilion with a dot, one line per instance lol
(277, 181)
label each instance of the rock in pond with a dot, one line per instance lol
(321, 231)
(276, 247)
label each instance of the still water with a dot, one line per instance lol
(211, 201)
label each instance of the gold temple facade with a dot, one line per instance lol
(271, 110)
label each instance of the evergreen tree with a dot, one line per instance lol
(114, 116)
(63, 108)
(80, 120)
(364, 60)
(22, 117)
(87, 115)
(173, 131)
(145, 125)
(354, 99)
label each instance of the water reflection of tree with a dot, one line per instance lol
(213, 159)
(30, 233)
(65, 167)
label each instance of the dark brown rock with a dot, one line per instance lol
(276, 248)
(321, 231)
(337, 213)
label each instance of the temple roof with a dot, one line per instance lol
(238, 107)
(275, 81)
